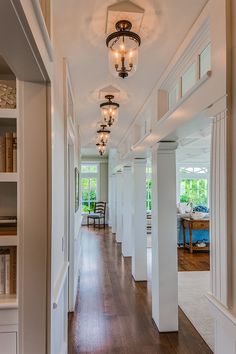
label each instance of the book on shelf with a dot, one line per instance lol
(2, 273)
(2, 154)
(8, 225)
(7, 270)
(13, 268)
(14, 153)
(8, 152)
(7, 273)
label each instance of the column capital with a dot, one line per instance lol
(220, 116)
(140, 161)
(127, 168)
(166, 146)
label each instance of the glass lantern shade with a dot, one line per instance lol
(101, 148)
(103, 134)
(109, 111)
(123, 50)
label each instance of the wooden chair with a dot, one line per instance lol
(98, 214)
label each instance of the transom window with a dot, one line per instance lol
(205, 60)
(89, 184)
(187, 80)
(91, 168)
(198, 170)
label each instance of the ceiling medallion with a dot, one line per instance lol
(103, 134)
(123, 49)
(109, 110)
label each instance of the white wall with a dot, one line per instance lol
(59, 249)
(58, 199)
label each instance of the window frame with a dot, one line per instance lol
(90, 175)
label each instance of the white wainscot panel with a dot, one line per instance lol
(59, 325)
(8, 343)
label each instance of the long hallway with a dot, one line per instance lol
(113, 313)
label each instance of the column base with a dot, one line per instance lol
(225, 327)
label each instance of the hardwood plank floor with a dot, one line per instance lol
(197, 261)
(113, 313)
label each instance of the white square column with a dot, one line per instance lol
(164, 238)
(119, 206)
(127, 242)
(113, 203)
(139, 256)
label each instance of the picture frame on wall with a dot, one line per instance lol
(76, 189)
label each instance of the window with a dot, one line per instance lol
(148, 188)
(148, 194)
(189, 79)
(173, 96)
(89, 183)
(205, 61)
(195, 190)
(194, 185)
(92, 168)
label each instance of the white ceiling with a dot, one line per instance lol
(80, 29)
(194, 141)
(194, 149)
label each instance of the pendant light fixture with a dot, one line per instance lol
(101, 148)
(123, 49)
(109, 110)
(103, 134)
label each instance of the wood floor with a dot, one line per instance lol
(197, 261)
(113, 313)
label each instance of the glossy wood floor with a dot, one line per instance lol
(113, 313)
(197, 261)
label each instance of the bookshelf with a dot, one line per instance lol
(8, 113)
(9, 213)
(8, 176)
(6, 240)
(8, 302)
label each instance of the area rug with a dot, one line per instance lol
(193, 287)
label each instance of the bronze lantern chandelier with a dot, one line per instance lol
(103, 134)
(123, 49)
(109, 110)
(101, 148)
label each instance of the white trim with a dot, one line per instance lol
(63, 348)
(185, 97)
(197, 44)
(218, 209)
(43, 28)
(225, 327)
(141, 140)
(60, 284)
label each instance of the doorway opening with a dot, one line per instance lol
(193, 224)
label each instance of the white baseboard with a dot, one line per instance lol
(225, 327)
(63, 348)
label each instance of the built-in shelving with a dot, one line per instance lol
(8, 240)
(8, 113)
(9, 205)
(8, 302)
(8, 177)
